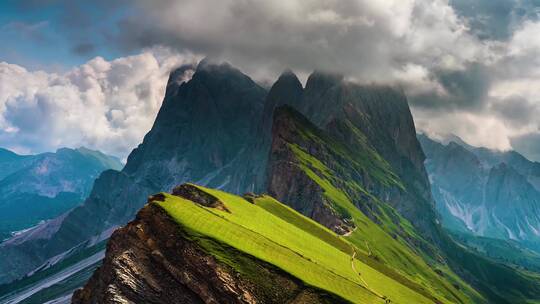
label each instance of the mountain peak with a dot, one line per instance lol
(64, 150)
(178, 75)
(212, 65)
(288, 77)
(286, 90)
(323, 80)
(288, 74)
(84, 149)
(453, 138)
(221, 77)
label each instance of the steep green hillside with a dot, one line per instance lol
(505, 251)
(324, 169)
(275, 233)
(384, 238)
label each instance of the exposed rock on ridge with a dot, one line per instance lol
(194, 194)
(152, 260)
(288, 183)
(382, 115)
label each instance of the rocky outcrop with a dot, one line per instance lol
(382, 115)
(152, 260)
(288, 182)
(194, 194)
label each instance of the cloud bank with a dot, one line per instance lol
(469, 67)
(371, 40)
(105, 105)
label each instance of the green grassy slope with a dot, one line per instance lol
(384, 238)
(340, 168)
(379, 246)
(505, 251)
(500, 282)
(274, 233)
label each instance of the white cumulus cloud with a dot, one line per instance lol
(105, 105)
(467, 66)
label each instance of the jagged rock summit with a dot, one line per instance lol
(485, 192)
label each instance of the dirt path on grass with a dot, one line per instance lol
(386, 300)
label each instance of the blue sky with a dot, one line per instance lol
(45, 37)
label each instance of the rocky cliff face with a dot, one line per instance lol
(348, 162)
(287, 181)
(382, 116)
(380, 112)
(483, 192)
(151, 260)
(201, 129)
(309, 166)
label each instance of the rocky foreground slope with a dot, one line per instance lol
(155, 260)
(204, 246)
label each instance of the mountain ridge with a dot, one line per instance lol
(34, 188)
(487, 193)
(368, 176)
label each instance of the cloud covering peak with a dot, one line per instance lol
(469, 67)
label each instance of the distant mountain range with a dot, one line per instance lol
(35, 188)
(348, 214)
(485, 192)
